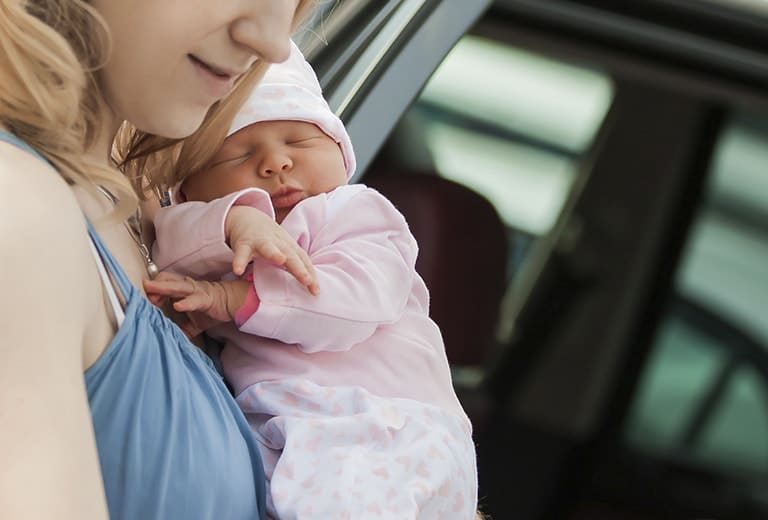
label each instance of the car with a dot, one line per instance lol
(587, 181)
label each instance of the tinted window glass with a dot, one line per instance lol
(703, 395)
(512, 125)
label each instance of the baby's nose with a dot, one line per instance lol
(275, 163)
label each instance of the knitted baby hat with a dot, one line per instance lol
(290, 91)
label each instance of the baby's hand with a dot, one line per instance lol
(205, 303)
(252, 234)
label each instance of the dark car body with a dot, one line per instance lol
(624, 147)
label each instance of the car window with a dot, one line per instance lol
(515, 127)
(703, 395)
(512, 125)
(326, 20)
(749, 7)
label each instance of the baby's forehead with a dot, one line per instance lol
(272, 127)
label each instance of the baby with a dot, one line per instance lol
(347, 389)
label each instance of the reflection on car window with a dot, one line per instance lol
(512, 125)
(704, 393)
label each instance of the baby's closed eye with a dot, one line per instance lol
(232, 159)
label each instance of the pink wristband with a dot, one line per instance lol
(249, 306)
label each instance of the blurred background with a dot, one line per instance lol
(622, 150)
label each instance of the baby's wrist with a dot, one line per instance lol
(235, 293)
(249, 307)
(228, 223)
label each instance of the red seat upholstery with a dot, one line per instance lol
(462, 257)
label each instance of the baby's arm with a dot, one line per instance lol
(190, 238)
(206, 303)
(364, 256)
(194, 238)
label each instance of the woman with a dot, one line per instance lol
(104, 405)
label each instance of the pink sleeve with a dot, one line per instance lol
(364, 256)
(189, 237)
(249, 306)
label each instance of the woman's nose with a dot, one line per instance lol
(265, 28)
(274, 163)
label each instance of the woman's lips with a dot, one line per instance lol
(286, 198)
(218, 83)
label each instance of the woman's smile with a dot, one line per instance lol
(219, 82)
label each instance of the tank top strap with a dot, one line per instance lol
(106, 281)
(121, 279)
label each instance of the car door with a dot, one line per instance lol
(593, 368)
(597, 290)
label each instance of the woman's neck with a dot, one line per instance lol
(100, 150)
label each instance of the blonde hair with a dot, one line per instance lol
(50, 52)
(155, 163)
(49, 95)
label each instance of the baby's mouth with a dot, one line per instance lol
(286, 197)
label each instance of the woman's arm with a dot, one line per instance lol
(48, 461)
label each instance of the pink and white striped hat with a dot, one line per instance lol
(290, 91)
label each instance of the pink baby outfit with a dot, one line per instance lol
(348, 392)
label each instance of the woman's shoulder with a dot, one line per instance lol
(33, 194)
(48, 266)
(40, 219)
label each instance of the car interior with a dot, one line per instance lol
(586, 179)
(512, 169)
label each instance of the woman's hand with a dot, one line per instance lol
(252, 234)
(204, 303)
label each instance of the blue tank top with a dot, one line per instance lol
(172, 442)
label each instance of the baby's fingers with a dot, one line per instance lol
(191, 329)
(156, 299)
(175, 288)
(194, 302)
(300, 266)
(244, 253)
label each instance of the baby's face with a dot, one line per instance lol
(290, 160)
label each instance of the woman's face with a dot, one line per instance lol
(172, 59)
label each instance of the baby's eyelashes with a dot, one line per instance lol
(303, 140)
(232, 160)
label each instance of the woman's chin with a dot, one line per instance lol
(177, 126)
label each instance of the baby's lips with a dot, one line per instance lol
(287, 199)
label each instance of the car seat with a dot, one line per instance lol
(463, 261)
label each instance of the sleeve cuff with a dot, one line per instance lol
(249, 307)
